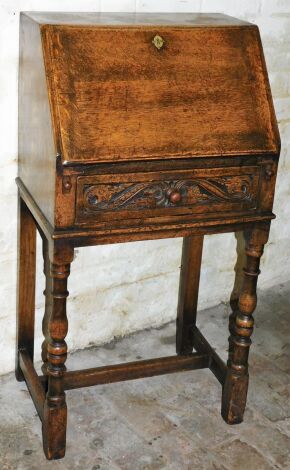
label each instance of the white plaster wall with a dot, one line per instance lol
(122, 288)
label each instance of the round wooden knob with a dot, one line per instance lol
(67, 185)
(269, 173)
(175, 197)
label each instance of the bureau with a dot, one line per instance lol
(136, 127)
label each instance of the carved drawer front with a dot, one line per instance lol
(126, 196)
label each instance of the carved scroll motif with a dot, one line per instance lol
(121, 196)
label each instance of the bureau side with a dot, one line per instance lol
(36, 144)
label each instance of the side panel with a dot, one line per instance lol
(37, 152)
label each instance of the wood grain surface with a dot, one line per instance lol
(138, 127)
(120, 98)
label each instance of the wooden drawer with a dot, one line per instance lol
(129, 104)
(170, 193)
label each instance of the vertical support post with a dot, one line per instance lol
(236, 384)
(25, 284)
(48, 302)
(188, 293)
(234, 300)
(55, 410)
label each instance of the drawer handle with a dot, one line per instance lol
(174, 196)
(158, 42)
(269, 172)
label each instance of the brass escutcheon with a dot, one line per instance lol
(158, 41)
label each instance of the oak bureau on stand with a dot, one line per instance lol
(136, 127)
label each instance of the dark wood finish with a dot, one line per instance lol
(142, 229)
(135, 370)
(188, 293)
(237, 287)
(55, 410)
(159, 109)
(137, 127)
(113, 197)
(216, 365)
(48, 302)
(33, 382)
(26, 284)
(236, 385)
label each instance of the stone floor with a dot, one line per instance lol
(171, 422)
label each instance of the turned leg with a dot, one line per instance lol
(234, 300)
(48, 303)
(236, 384)
(55, 410)
(188, 293)
(26, 284)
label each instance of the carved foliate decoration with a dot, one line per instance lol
(161, 194)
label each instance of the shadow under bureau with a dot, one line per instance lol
(136, 127)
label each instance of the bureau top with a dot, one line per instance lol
(134, 19)
(123, 87)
